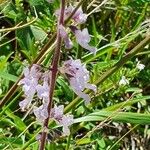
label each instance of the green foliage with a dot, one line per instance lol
(116, 111)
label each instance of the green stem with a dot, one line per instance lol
(68, 142)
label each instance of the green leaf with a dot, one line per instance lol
(126, 117)
(84, 141)
(8, 76)
(38, 33)
(66, 89)
(17, 121)
(126, 103)
(100, 51)
(10, 140)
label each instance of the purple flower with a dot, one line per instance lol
(64, 35)
(57, 112)
(41, 113)
(78, 77)
(83, 38)
(43, 90)
(29, 82)
(79, 17)
(61, 119)
(25, 104)
(67, 120)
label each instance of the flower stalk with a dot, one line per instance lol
(54, 69)
(14, 88)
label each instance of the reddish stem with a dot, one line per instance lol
(54, 69)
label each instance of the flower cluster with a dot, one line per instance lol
(78, 77)
(37, 83)
(82, 36)
(29, 82)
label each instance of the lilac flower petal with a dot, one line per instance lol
(68, 43)
(26, 72)
(62, 31)
(57, 112)
(79, 17)
(78, 88)
(29, 83)
(69, 10)
(64, 35)
(25, 103)
(41, 113)
(86, 97)
(92, 49)
(66, 121)
(91, 86)
(61, 119)
(76, 84)
(43, 91)
(34, 71)
(83, 38)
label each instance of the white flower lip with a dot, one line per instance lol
(140, 66)
(123, 81)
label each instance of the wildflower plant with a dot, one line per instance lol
(43, 84)
(83, 80)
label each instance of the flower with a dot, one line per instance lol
(29, 82)
(43, 90)
(64, 35)
(25, 104)
(78, 77)
(41, 113)
(79, 17)
(57, 112)
(83, 38)
(140, 66)
(61, 119)
(66, 121)
(123, 81)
